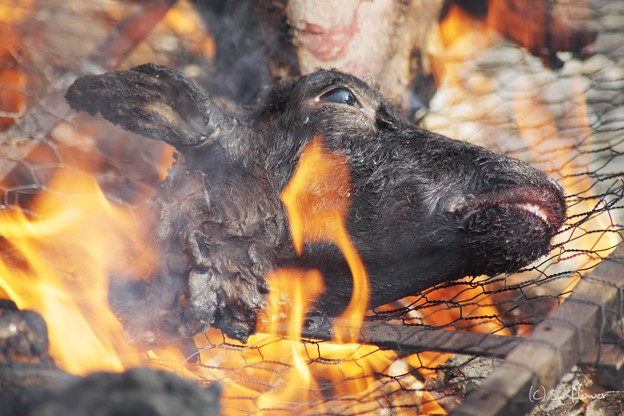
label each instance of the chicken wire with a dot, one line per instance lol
(567, 122)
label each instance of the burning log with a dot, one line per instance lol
(420, 208)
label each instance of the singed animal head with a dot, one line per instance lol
(422, 208)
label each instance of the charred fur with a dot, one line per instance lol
(424, 208)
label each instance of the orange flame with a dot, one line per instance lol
(59, 266)
(317, 201)
(290, 285)
(185, 22)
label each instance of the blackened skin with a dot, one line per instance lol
(424, 208)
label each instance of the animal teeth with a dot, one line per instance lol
(535, 210)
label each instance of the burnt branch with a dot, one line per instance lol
(410, 339)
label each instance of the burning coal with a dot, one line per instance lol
(418, 208)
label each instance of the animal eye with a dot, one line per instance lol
(340, 95)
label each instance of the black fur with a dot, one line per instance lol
(424, 208)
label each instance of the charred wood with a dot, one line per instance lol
(31, 384)
(23, 336)
(27, 371)
(573, 332)
(36, 390)
(140, 391)
(24, 384)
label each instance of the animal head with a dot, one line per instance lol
(422, 208)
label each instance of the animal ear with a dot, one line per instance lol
(152, 100)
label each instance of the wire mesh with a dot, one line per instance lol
(568, 123)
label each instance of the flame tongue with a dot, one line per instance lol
(317, 203)
(59, 267)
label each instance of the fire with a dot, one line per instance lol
(288, 287)
(466, 307)
(71, 239)
(272, 374)
(184, 21)
(69, 242)
(317, 201)
(61, 257)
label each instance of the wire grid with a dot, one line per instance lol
(569, 123)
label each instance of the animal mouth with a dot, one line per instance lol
(543, 204)
(535, 210)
